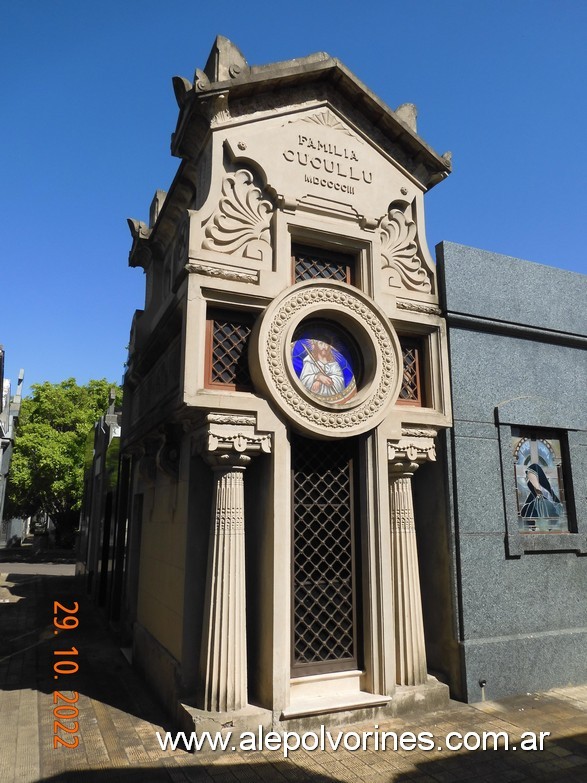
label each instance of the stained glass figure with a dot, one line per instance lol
(324, 361)
(539, 484)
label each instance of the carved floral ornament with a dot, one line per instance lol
(235, 275)
(242, 221)
(338, 304)
(418, 307)
(399, 253)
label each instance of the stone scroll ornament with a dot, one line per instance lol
(241, 222)
(400, 253)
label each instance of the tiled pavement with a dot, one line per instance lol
(118, 721)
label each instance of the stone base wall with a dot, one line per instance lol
(160, 670)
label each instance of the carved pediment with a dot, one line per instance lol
(317, 156)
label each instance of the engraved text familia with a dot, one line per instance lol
(328, 158)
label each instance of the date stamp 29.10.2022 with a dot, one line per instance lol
(65, 710)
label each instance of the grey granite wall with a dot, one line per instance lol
(489, 285)
(518, 340)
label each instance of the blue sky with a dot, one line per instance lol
(88, 110)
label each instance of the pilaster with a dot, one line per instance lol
(404, 457)
(228, 444)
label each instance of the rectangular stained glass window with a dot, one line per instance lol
(538, 458)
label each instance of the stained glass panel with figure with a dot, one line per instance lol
(540, 489)
(325, 361)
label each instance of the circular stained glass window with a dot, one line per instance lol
(325, 362)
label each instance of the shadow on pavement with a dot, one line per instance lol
(27, 655)
(28, 643)
(278, 771)
(564, 762)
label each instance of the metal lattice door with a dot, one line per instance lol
(324, 632)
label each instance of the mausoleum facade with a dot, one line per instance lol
(287, 378)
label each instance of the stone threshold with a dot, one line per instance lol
(327, 703)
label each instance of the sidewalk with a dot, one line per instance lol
(118, 720)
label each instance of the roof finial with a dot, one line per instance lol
(225, 61)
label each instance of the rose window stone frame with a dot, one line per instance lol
(367, 325)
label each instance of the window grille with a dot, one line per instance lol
(324, 615)
(411, 389)
(311, 263)
(227, 344)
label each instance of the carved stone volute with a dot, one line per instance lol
(399, 253)
(241, 224)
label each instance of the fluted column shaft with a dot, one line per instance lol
(410, 650)
(224, 648)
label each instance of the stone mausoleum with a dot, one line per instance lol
(286, 379)
(298, 533)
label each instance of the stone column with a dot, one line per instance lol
(227, 443)
(410, 652)
(224, 650)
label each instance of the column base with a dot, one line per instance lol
(248, 718)
(416, 699)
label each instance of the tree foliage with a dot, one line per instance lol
(47, 467)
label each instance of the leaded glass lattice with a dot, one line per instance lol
(229, 365)
(323, 554)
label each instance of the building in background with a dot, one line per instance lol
(10, 530)
(100, 541)
(516, 477)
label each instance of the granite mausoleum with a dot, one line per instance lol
(516, 478)
(298, 534)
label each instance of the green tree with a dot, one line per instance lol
(47, 468)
